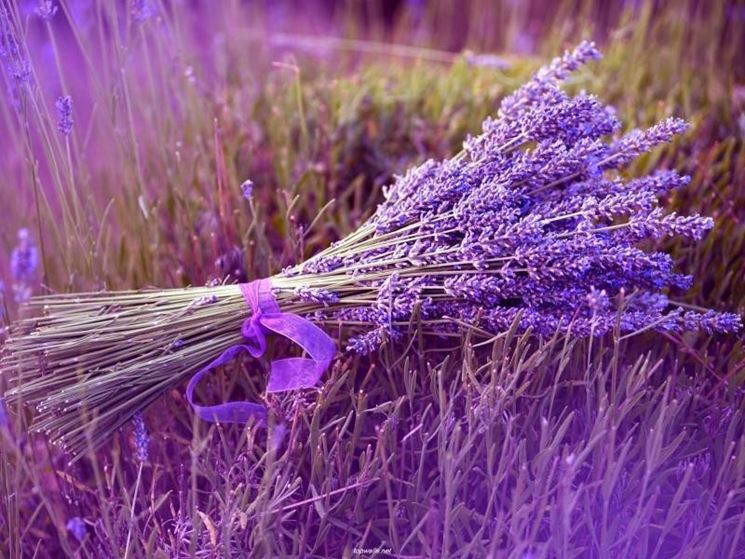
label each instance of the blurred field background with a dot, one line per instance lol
(497, 448)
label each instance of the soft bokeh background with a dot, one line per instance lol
(630, 448)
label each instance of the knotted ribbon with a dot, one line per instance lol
(285, 374)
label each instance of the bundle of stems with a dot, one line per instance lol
(532, 223)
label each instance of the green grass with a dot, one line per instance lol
(500, 448)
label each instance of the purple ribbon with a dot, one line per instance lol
(285, 374)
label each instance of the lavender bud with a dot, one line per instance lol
(76, 527)
(247, 189)
(597, 300)
(3, 413)
(142, 10)
(46, 9)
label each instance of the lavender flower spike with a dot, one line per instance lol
(46, 9)
(77, 528)
(3, 413)
(543, 88)
(142, 438)
(24, 261)
(142, 10)
(247, 188)
(64, 115)
(12, 53)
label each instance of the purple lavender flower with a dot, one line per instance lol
(76, 527)
(316, 295)
(247, 189)
(12, 54)
(366, 343)
(597, 300)
(46, 9)
(544, 86)
(142, 438)
(176, 344)
(64, 114)
(532, 223)
(711, 322)
(142, 10)
(3, 413)
(231, 263)
(628, 147)
(24, 261)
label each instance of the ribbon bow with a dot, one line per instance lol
(285, 374)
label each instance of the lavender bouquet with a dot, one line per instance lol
(530, 226)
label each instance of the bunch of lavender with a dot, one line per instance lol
(531, 225)
(530, 222)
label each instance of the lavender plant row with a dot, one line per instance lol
(530, 225)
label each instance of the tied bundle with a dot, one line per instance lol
(531, 226)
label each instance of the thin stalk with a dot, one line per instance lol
(132, 511)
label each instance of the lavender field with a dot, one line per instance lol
(508, 237)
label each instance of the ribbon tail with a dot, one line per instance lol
(293, 373)
(228, 412)
(299, 372)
